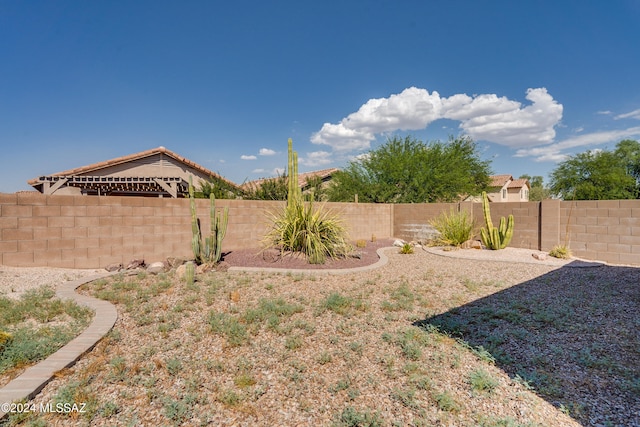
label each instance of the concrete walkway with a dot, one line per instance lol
(27, 385)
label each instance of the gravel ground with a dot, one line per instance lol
(567, 343)
(14, 281)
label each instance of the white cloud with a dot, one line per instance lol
(557, 152)
(505, 122)
(316, 158)
(245, 157)
(635, 114)
(483, 117)
(259, 170)
(266, 152)
(278, 171)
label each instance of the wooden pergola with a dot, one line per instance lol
(117, 185)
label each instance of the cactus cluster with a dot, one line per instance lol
(209, 250)
(495, 237)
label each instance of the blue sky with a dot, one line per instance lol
(225, 84)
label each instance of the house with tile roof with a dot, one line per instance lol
(503, 188)
(158, 172)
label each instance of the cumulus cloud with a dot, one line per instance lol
(245, 157)
(635, 114)
(557, 151)
(266, 152)
(316, 158)
(483, 117)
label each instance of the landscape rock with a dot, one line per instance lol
(399, 243)
(113, 267)
(472, 244)
(180, 271)
(174, 262)
(135, 263)
(540, 256)
(271, 254)
(156, 267)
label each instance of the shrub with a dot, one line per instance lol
(455, 228)
(406, 249)
(560, 251)
(299, 227)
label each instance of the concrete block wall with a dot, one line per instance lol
(411, 219)
(92, 232)
(606, 230)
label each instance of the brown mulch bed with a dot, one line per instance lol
(272, 259)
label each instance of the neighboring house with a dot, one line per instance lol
(503, 188)
(158, 172)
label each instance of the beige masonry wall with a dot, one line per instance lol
(92, 232)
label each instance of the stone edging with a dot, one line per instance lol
(31, 381)
(334, 271)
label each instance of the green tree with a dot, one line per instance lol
(220, 188)
(598, 175)
(410, 171)
(629, 153)
(538, 191)
(269, 189)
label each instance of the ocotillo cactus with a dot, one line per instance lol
(492, 237)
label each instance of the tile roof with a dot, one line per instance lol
(124, 159)
(499, 180)
(518, 183)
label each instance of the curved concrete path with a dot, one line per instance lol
(31, 381)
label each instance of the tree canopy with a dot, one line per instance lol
(410, 171)
(599, 175)
(538, 191)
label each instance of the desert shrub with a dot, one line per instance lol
(560, 251)
(317, 233)
(299, 227)
(406, 249)
(455, 228)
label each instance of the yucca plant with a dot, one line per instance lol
(454, 227)
(300, 227)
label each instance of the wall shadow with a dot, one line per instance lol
(572, 334)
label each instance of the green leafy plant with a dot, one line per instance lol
(208, 250)
(495, 237)
(454, 227)
(299, 228)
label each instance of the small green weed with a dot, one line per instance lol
(482, 381)
(350, 417)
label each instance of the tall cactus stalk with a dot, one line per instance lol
(218, 229)
(495, 237)
(211, 249)
(196, 246)
(294, 194)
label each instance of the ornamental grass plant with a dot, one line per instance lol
(455, 227)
